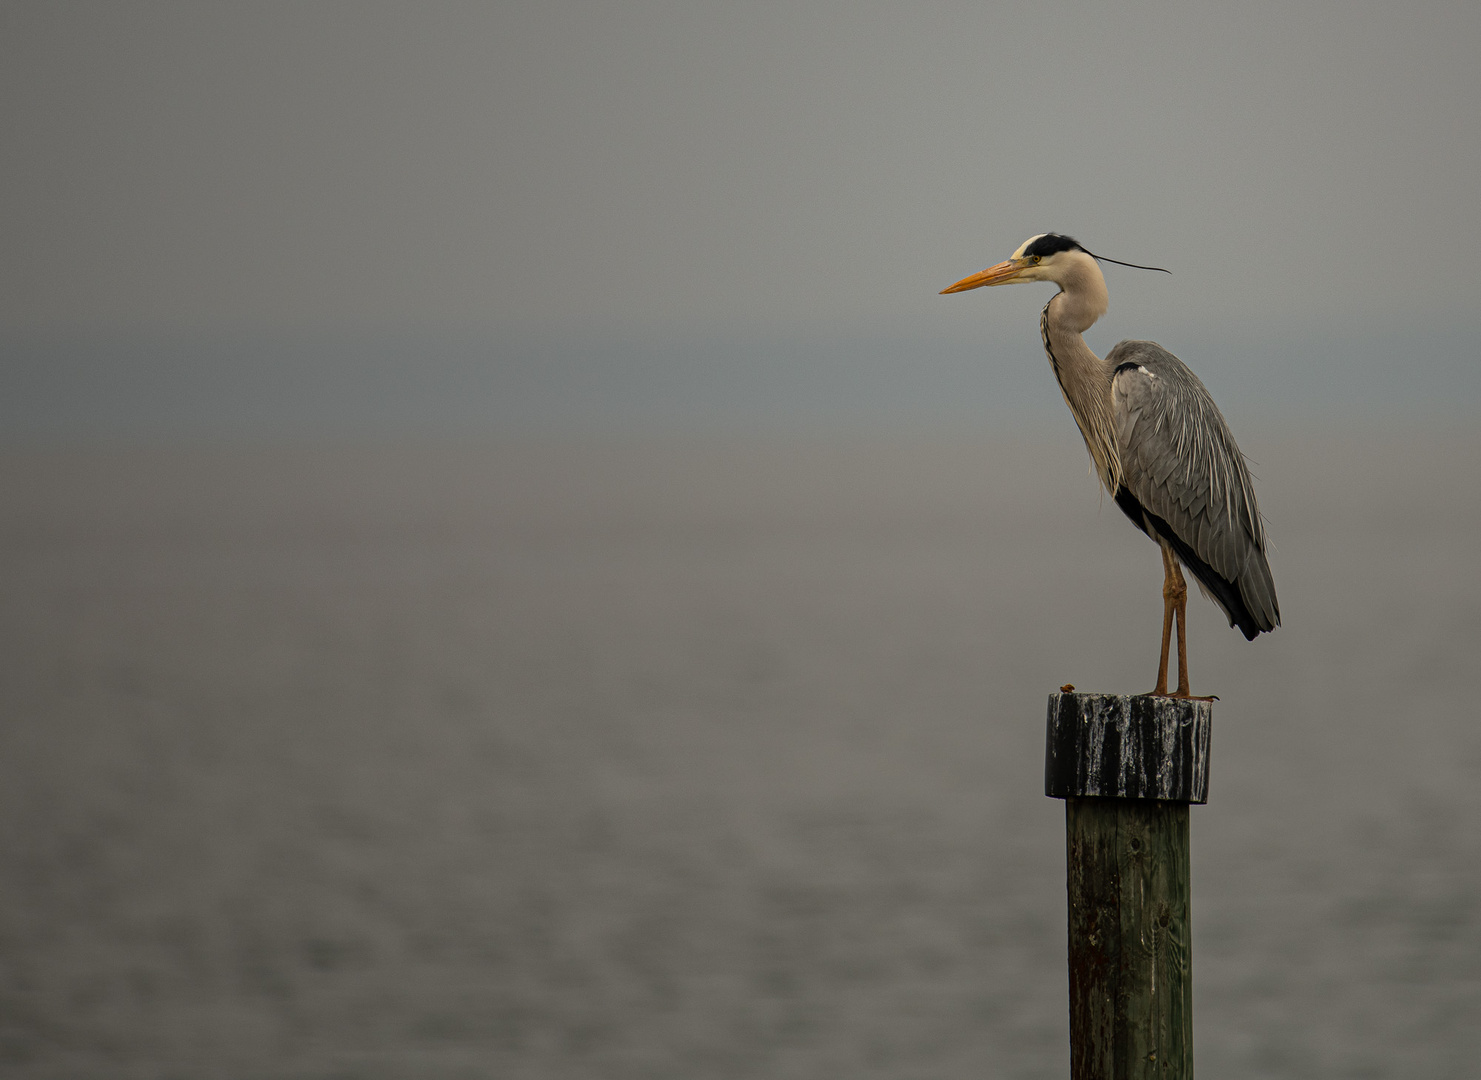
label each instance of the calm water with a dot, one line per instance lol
(703, 759)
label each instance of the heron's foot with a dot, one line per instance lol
(1180, 694)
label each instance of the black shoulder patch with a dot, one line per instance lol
(1052, 244)
(1130, 365)
(1131, 506)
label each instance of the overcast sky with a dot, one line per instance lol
(651, 168)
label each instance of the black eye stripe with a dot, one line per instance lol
(1052, 244)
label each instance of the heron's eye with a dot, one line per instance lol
(1036, 259)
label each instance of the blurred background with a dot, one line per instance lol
(509, 567)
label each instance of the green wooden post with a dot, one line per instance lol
(1128, 768)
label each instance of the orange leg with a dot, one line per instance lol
(1169, 606)
(1175, 608)
(1181, 613)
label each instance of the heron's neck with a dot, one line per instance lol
(1083, 377)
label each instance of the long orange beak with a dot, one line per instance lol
(1001, 274)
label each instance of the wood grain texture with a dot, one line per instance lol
(1130, 960)
(1131, 746)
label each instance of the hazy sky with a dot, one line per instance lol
(807, 168)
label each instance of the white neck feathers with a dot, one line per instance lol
(1083, 378)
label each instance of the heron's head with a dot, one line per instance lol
(1046, 257)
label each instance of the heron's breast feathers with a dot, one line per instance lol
(1087, 391)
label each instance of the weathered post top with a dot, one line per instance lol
(1128, 746)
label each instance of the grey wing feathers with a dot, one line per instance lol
(1181, 463)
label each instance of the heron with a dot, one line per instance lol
(1157, 442)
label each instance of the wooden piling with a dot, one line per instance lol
(1128, 767)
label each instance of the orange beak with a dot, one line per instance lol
(1001, 274)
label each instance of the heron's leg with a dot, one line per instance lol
(1181, 611)
(1169, 593)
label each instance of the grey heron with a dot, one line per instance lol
(1158, 443)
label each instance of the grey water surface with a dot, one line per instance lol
(705, 757)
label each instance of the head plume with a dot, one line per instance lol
(1046, 244)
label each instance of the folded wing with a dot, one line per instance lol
(1185, 480)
